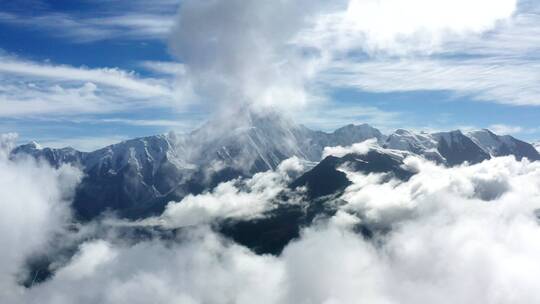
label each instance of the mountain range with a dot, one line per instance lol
(137, 178)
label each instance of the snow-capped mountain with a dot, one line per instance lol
(418, 143)
(53, 156)
(537, 146)
(260, 142)
(451, 148)
(496, 145)
(456, 147)
(141, 175)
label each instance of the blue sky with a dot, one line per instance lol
(90, 73)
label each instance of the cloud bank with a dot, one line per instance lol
(34, 205)
(466, 234)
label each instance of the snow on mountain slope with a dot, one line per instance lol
(260, 142)
(418, 143)
(455, 147)
(537, 146)
(251, 143)
(451, 148)
(496, 145)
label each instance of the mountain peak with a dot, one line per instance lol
(358, 133)
(32, 145)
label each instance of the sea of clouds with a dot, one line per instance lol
(467, 234)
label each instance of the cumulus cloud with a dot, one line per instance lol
(401, 27)
(237, 199)
(437, 188)
(201, 268)
(358, 148)
(471, 226)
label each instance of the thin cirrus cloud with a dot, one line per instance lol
(31, 88)
(106, 76)
(131, 20)
(480, 79)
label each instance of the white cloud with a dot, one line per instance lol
(398, 27)
(481, 79)
(34, 205)
(505, 129)
(422, 50)
(268, 66)
(235, 55)
(19, 100)
(30, 88)
(165, 67)
(206, 269)
(86, 262)
(358, 148)
(106, 76)
(469, 224)
(131, 20)
(237, 199)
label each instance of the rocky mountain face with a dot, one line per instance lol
(140, 176)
